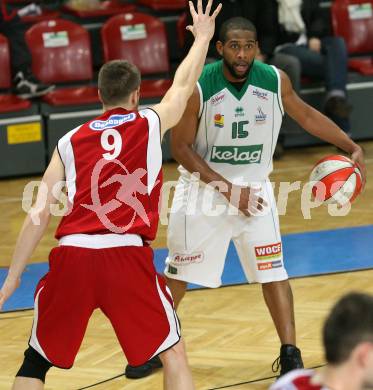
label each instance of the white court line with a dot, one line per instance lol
(289, 169)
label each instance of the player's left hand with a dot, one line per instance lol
(10, 285)
(358, 158)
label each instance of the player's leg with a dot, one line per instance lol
(176, 371)
(178, 289)
(140, 307)
(21, 383)
(197, 240)
(63, 306)
(279, 300)
(31, 375)
(260, 250)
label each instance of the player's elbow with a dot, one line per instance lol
(39, 216)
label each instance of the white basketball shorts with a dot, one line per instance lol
(201, 226)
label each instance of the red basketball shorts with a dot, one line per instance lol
(123, 283)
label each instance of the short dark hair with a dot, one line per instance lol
(349, 324)
(116, 80)
(236, 23)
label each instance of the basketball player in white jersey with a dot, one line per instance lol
(227, 136)
(348, 344)
(112, 168)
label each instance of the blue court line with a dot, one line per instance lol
(305, 254)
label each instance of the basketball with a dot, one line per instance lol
(337, 180)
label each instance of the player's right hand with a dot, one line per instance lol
(8, 288)
(246, 199)
(357, 157)
(203, 23)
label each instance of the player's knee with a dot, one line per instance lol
(34, 365)
(175, 354)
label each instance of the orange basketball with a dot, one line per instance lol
(337, 180)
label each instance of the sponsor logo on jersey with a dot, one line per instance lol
(112, 121)
(260, 94)
(260, 117)
(217, 99)
(269, 265)
(235, 155)
(267, 252)
(219, 120)
(239, 111)
(184, 259)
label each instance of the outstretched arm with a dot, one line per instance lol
(172, 106)
(34, 226)
(318, 124)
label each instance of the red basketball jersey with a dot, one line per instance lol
(113, 174)
(297, 380)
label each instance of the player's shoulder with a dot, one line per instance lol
(211, 80)
(300, 379)
(265, 76)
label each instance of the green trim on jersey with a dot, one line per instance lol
(213, 81)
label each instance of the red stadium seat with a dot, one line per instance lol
(61, 53)
(181, 29)
(106, 8)
(8, 102)
(141, 39)
(353, 20)
(5, 78)
(164, 5)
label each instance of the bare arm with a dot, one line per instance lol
(173, 104)
(318, 124)
(182, 139)
(34, 226)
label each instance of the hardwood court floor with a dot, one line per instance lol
(229, 335)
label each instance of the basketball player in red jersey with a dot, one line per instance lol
(112, 168)
(348, 342)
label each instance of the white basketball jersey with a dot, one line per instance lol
(238, 129)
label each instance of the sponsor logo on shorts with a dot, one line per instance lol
(260, 94)
(217, 99)
(266, 252)
(260, 117)
(219, 120)
(236, 155)
(112, 121)
(184, 259)
(269, 265)
(172, 270)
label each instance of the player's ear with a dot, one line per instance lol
(99, 96)
(219, 47)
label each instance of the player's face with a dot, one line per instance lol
(238, 52)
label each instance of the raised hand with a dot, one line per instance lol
(203, 24)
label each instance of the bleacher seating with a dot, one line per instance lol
(61, 53)
(141, 39)
(105, 8)
(164, 5)
(8, 101)
(353, 20)
(22, 146)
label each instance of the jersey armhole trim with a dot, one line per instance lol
(279, 98)
(200, 100)
(159, 121)
(59, 153)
